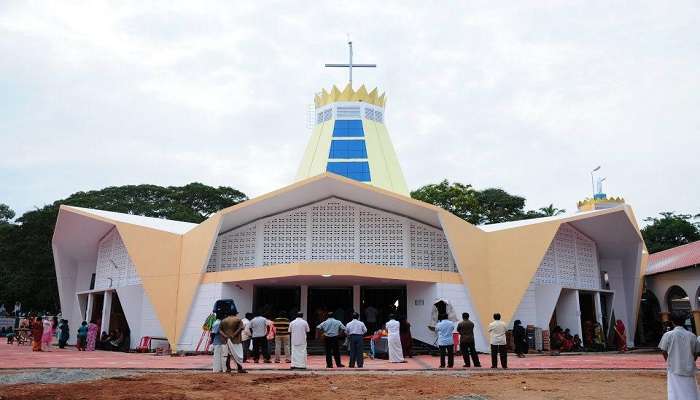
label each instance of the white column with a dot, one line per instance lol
(106, 311)
(90, 305)
(598, 309)
(356, 298)
(304, 301)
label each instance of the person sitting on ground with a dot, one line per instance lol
(620, 336)
(598, 337)
(82, 336)
(103, 343)
(567, 341)
(555, 341)
(10, 335)
(578, 344)
(117, 340)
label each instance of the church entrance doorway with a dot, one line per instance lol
(273, 301)
(378, 302)
(322, 300)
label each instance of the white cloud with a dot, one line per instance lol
(525, 96)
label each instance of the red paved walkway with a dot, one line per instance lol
(16, 357)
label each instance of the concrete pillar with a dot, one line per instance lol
(304, 301)
(696, 319)
(90, 305)
(598, 308)
(356, 291)
(106, 312)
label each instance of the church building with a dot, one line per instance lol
(347, 236)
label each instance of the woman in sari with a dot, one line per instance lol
(47, 335)
(37, 329)
(92, 336)
(620, 336)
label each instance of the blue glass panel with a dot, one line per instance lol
(348, 128)
(348, 149)
(358, 171)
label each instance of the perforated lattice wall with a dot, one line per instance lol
(571, 261)
(114, 267)
(333, 230)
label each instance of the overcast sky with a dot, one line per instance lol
(528, 97)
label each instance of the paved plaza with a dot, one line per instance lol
(20, 357)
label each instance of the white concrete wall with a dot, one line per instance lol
(568, 311)
(202, 305)
(617, 284)
(420, 315)
(131, 300)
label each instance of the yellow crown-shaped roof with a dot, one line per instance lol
(348, 94)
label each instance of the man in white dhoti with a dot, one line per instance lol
(298, 330)
(394, 340)
(231, 329)
(680, 350)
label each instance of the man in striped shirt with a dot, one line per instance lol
(281, 324)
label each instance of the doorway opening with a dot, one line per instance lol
(378, 302)
(649, 327)
(322, 300)
(274, 301)
(118, 326)
(97, 305)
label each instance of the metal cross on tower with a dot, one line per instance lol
(350, 65)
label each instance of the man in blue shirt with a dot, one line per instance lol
(444, 329)
(331, 328)
(356, 330)
(220, 350)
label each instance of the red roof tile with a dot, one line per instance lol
(676, 258)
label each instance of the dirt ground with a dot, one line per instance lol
(569, 385)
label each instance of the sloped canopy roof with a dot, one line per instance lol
(673, 259)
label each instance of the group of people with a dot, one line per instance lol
(87, 339)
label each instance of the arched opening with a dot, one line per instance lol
(649, 327)
(679, 303)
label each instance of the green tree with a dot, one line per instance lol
(669, 231)
(488, 206)
(26, 259)
(457, 198)
(6, 214)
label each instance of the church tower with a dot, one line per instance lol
(349, 137)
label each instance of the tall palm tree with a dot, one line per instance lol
(551, 211)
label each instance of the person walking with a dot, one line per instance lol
(37, 329)
(331, 328)
(281, 324)
(520, 339)
(258, 331)
(467, 345)
(298, 329)
(680, 350)
(356, 330)
(393, 328)
(497, 331)
(64, 333)
(445, 340)
(245, 336)
(47, 334)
